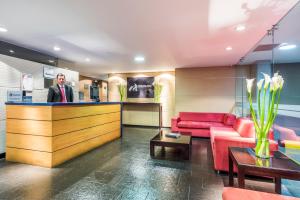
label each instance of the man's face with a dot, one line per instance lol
(61, 80)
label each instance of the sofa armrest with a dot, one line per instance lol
(174, 122)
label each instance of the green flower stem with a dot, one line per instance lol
(253, 113)
(262, 118)
(258, 99)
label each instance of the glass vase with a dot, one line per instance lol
(262, 148)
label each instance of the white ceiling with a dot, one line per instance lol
(288, 30)
(169, 33)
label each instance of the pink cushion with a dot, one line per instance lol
(195, 124)
(229, 119)
(202, 117)
(238, 194)
(286, 133)
(245, 127)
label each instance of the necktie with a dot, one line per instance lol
(63, 96)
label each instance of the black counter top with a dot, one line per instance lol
(61, 104)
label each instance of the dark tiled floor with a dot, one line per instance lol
(121, 169)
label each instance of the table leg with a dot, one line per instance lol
(241, 178)
(151, 150)
(230, 170)
(278, 185)
(187, 153)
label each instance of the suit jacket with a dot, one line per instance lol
(54, 94)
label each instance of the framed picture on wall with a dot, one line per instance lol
(140, 87)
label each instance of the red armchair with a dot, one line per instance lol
(241, 135)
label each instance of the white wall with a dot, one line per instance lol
(11, 70)
(205, 89)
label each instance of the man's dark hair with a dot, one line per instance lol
(60, 74)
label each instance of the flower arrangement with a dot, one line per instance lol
(157, 91)
(122, 91)
(266, 112)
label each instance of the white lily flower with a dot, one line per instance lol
(267, 80)
(277, 81)
(249, 84)
(259, 84)
(274, 83)
(280, 81)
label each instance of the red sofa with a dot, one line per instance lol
(242, 134)
(238, 194)
(199, 124)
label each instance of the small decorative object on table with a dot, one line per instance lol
(173, 135)
(266, 112)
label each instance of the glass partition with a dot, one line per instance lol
(279, 51)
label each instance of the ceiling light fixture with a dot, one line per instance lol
(139, 59)
(2, 29)
(286, 46)
(87, 60)
(56, 48)
(11, 51)
(240, 28)
(229, 48)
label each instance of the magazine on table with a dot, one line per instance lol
(173, 135)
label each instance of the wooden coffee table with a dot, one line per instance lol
(183, 142)
(279, 166)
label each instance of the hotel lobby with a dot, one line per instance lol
(170, 100)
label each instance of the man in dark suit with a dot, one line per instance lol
(60, 92)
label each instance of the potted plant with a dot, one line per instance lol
(266, 112)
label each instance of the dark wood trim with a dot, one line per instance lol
(2, 155)
(143, 126)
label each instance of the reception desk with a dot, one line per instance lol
(48, 134)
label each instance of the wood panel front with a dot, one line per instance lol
(29, 112)
(29, 127)
(69, 139)
(37, 137)
(30, 142)
(75, 124)
(75, 150)
(31, 157)
(66, 112)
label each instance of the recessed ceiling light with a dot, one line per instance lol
(240, 28)
(11, 51)
(2, 29)
(229, 48)
(51, 61)
(286, 46)
(139, 59)
(56, 48)
(87, 60)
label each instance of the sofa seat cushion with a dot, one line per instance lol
(202, 125)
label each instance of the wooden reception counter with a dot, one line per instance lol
(48, 134)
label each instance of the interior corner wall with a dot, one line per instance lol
(11, 70)
(167, 79)
(205, 89)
